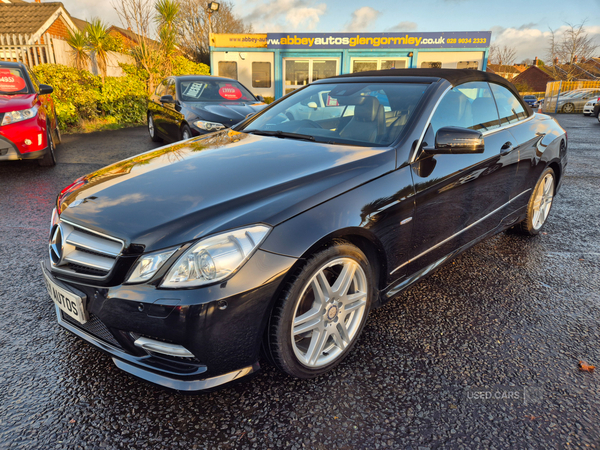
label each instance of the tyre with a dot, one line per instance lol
(186, 133)
(568, 108)
(540, 204)
(152, 129)
(321, 311)
(49, 158)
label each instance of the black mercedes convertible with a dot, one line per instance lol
(278, 236)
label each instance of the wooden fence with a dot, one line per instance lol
(22, 48)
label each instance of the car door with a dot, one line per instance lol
(528, 135)
(460, 198)
(156, 107)
(172, 116)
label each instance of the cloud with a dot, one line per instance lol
(403, 26)
(362, 19)
(87, 9)
(532, 42)
(289, 15)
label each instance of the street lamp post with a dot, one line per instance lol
(212, 7)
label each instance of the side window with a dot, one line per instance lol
(261, 74)
(509, 107)
(171, 89)
(34, 81)
(228, 69)
(160, 89)
(471, 65)
(470, 105)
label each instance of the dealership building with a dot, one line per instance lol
(275, 64)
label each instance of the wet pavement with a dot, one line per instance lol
(512, 317)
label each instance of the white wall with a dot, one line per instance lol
(63, 55)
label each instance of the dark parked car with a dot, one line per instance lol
(192, 105)
(28, 124)
(281, 234)
(531, 100)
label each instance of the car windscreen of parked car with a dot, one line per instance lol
(214, 91)
(364, 114)
(12, 81)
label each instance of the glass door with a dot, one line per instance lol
(300, 72)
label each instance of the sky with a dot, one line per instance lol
(522, 24)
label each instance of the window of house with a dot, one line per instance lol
(261, 74)
(228, 69)
(509, 107)
(431, 65)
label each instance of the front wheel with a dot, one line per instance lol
(322, 311)
(540, 204)
(49, 158)
(568, 108)
(186, 133)
(152, 129)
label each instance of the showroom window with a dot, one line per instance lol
(509, 107)
(365, 64)
(431, 65)
(470, 105)
(261, 74)
(228, 69)
(472, 65)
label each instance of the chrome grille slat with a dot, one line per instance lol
(94, 244)
(90, 260)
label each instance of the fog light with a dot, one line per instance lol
(27, 141)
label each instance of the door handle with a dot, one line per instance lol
(506, 148)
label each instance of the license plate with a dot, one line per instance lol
(68, 302)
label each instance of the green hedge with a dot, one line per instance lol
(79, 95)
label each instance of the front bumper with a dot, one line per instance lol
(10, 152)
(221, 325)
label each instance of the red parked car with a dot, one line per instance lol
(28, 124)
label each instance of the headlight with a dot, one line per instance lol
(18, 116)
(209, 126)
(148, 265)
(215, 258)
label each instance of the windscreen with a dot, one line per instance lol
(365, 114)
(12, 81)
(217, 91)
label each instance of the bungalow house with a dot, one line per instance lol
(505, 71)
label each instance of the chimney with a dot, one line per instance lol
(128, 28)
(575, 59)
(38, 1)
(555, 61)
(535, 61)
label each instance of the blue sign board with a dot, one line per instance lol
(317, 41)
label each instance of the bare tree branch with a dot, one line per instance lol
(567, 49)
(504, 55)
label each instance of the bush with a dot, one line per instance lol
(183, 66)
(79, 95)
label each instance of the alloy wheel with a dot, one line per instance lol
(543, 201)
(151, 126)
(329, 313)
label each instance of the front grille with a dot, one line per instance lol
(95, 327)
(84, 252)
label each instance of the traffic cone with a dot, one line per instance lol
(539, 108)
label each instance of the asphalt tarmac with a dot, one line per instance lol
(483, 354)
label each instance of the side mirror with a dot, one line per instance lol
(456, 140)
(167, 99)
(260, 98)
(312, 105)
(45, 89)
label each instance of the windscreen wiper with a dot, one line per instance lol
(281, 134)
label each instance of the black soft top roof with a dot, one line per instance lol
(454, 76)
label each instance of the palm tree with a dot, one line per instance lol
(97, 37)
(78, 41)
(167, 12)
